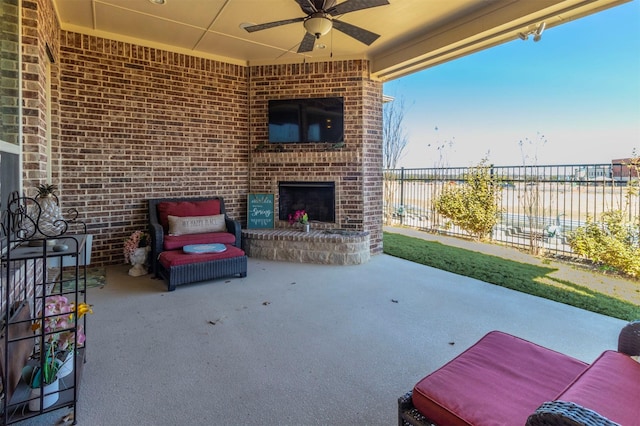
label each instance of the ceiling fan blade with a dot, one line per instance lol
(353, 5)
(360, 34)
(261, 27)
(307, 43)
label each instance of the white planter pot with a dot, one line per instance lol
(67, 365)
(47, 400)
(138, 260)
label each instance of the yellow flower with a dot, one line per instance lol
(84, 308)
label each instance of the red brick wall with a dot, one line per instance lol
(39, 29)
(356, 167)
(132, 123)
(372, 163)
(140, 123)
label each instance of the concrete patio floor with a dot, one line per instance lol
(298, 344)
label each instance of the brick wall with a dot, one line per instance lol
(39, 30)
(131, 123)
(356, 167)
(372, 163)
(9, 83)
(140, 123)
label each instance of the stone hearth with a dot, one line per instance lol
(332, 247)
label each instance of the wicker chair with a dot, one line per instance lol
(196, 271)
(561, 413)
(629, 339)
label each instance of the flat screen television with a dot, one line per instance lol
(310, 120)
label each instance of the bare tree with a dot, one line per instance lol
(394, 137)
(443, 147)
(531, 197)
(440, 165)
(394, 141)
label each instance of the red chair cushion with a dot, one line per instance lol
(173, 242)
(500, 380)
(178, 257)
(186, 208)
(610, 387)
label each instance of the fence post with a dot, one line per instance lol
(492, 176)
(401, 209)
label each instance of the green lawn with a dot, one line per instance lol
(527, 278)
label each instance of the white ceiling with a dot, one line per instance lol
(414, 34)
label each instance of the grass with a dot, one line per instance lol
(524, 277)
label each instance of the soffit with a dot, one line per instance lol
(414, 34)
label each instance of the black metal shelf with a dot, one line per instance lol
(27, 282)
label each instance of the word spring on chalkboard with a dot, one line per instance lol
(260, 211)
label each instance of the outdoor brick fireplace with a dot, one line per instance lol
(326, 243)
(339, 185)
(316, 198)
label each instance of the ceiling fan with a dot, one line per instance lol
(320, 19)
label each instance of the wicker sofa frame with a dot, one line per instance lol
(559, 413)
(199, 271)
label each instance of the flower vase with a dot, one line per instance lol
(50, 397)
(306, 227)
(138, 260)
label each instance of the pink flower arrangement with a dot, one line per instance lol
(136, 240)
(299, 216)
(59, 315)
(62, 335)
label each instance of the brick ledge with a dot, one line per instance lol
(334, 247)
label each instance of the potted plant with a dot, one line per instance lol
(62, 337)
(136, 248)
(301, 217)
(43, 380)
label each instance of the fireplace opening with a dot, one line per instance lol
(318, 199)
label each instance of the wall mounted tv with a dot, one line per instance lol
(311, 120)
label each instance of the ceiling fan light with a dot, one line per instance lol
(318, 26)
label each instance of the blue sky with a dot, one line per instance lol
(578, 89)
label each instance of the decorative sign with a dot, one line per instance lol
(260, 211)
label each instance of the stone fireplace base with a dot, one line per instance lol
(331, 247)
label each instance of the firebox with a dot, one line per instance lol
(318, 199)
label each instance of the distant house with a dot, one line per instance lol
(625, 169)
(596, 172)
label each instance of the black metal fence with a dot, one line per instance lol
(539, 205)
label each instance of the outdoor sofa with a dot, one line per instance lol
(505, 380)
(178, 223)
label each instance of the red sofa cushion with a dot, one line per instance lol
(500, 380)
(610, 387)
(186, 208)
(173, 242)
(178, 257)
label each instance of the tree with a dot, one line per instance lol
(394, 141)
(394, 137)
(472, 205)
(614, 241)
(531, 196)
(443, 149)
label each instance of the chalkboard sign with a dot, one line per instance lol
(260, 211)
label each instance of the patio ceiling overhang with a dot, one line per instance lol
(414, 34)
